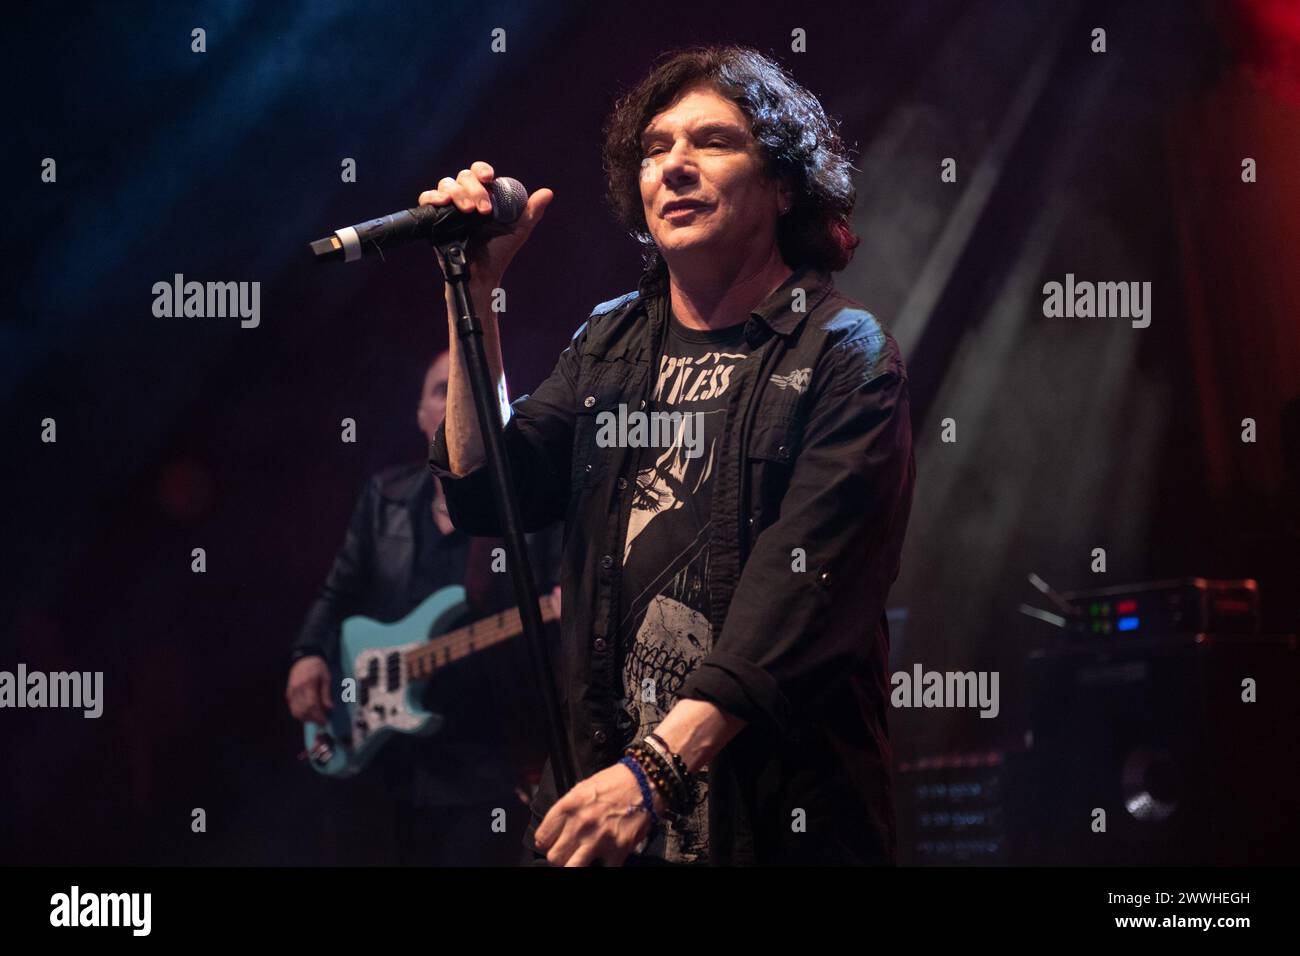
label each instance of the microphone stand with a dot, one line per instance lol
(470, 332)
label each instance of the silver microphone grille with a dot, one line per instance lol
(509, 197)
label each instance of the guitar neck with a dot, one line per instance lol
(463, 641)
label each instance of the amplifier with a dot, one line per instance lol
(1179, 606)
(960, 809)
(1176, 606)
(1187, 743)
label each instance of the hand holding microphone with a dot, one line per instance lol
(491, 252)
(495, 215)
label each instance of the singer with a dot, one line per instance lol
(724, 660)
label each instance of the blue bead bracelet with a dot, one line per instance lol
(646, 796)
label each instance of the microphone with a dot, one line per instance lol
(435, 223)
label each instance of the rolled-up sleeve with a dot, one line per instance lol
(538, 440)
(791, 634)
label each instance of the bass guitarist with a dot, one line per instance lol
(426, 800)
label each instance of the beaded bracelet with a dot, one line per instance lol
(646, 796)
(675, 761)
(665, 781)
(681, 790)
(654, 768)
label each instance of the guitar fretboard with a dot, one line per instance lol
(464, 641)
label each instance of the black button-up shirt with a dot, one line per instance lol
(810, 504)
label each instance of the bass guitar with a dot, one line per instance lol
(384, 669)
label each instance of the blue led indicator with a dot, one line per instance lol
(1128, 623)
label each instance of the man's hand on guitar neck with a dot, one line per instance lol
(308, 691)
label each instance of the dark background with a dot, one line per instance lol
(182, 433)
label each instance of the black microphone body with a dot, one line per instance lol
(432, 223)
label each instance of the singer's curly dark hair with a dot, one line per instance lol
(798, 140)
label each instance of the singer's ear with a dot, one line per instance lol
(785, 195)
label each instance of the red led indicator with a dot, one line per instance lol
(1126, 607)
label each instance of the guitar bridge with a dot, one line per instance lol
(322, 751)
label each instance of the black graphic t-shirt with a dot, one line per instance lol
(664, 606)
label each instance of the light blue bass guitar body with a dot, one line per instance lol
(384, 669)
(386, 698)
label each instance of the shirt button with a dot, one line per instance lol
(600, 736)
(588, 466)
(751, 521)
(589, 400)
(826, 577)
(600, 645)
(622, 483)
(607, 562)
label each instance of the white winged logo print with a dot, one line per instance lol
(798, 380)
